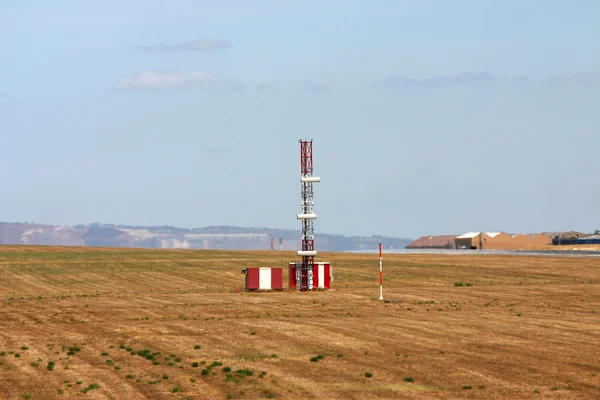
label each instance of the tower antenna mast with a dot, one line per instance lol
(304, 274)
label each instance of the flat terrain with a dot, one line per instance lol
(156, 324)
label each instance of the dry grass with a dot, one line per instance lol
(527, 325)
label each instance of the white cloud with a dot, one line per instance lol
(203, 44)
(174, 80)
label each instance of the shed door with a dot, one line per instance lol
(265, 278)
(321, 276)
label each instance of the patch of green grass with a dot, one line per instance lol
(262, 374)
(17, 355)
(205, 371)
(60, 391)
(104, 354)
(408, 379)
(195, 364)
(193, 380)
(24, 348)
(2, 353)
(129, 376)
(197, 347)
(481, 387)
(165, 377)
(176, 389)
(90, 387)
(26, 396)
(109, 362)
(244, 372)
(467, 387)
(34, 365)
(463, 284)
(368, 375)
(50, 366)
(226, 369)
(253, 333)
(148, 355)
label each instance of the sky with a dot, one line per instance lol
(428, 117)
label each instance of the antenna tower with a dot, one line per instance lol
(304, 274)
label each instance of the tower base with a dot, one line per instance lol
(318, 277)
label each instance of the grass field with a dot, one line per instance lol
(136, 324)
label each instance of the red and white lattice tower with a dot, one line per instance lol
(304, 274)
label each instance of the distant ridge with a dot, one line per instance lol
(172, 237)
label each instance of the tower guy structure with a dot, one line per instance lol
(304, 274)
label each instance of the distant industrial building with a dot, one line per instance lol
(482, 240)
(501, 241)
(504, 241)
(471, 240)
(434, 242)
(574, 238)
(593, 239)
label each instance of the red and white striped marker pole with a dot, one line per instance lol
(380, 274)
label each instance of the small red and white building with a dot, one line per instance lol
(320, 277)
(263, 278)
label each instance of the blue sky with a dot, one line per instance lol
(428, 117)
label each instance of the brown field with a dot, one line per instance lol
(527, 328)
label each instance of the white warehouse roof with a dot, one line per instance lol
(469, 235)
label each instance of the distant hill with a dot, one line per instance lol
(168, 237)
